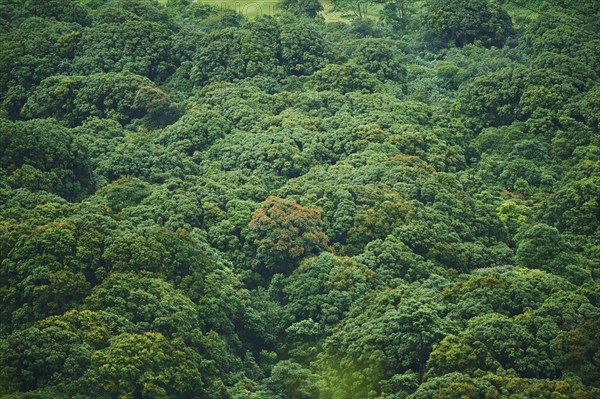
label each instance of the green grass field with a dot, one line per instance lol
(254, 8)
(249, 8)
(520, 13)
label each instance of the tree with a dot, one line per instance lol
(309, 8)
(219, 58)
(157, 106)
(35, 357)
(231, 54)
(41, 276)
(455, 385)
(573, 206)
(304, 49)
(36, 49)
(393, 262)
(381, 57)
(542, 247)
(488, 386)
(120, 96)
(124, 193)
(398, 13)
(139, 157)
(149, 365)
(580, 351)
(493, 99)
(54, 97)
(150, 304)
(569, 310)
(195, 131)
(390, 332)
(61, 10)
(43, 155)
(290, 380)
(95, 329)
(323, 288)
(465, 21)
(496, 343)
(587, 105)
(111, 95)
(509, 292)
(140, 47)
(359, 8)
(285, 231)
(345, 78)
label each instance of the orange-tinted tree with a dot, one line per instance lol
(284, 231)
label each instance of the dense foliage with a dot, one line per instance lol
(195, 204)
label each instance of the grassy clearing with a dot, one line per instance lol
(248, 8)
(330, 15)
(254, 8)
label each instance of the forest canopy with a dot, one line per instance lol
(388, 199)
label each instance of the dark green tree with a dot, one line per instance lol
(304, 49)
(463, 21)
(140, 47)
(43, 155)
(150, 365)
(310, 8)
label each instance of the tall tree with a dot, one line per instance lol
(284, 231)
